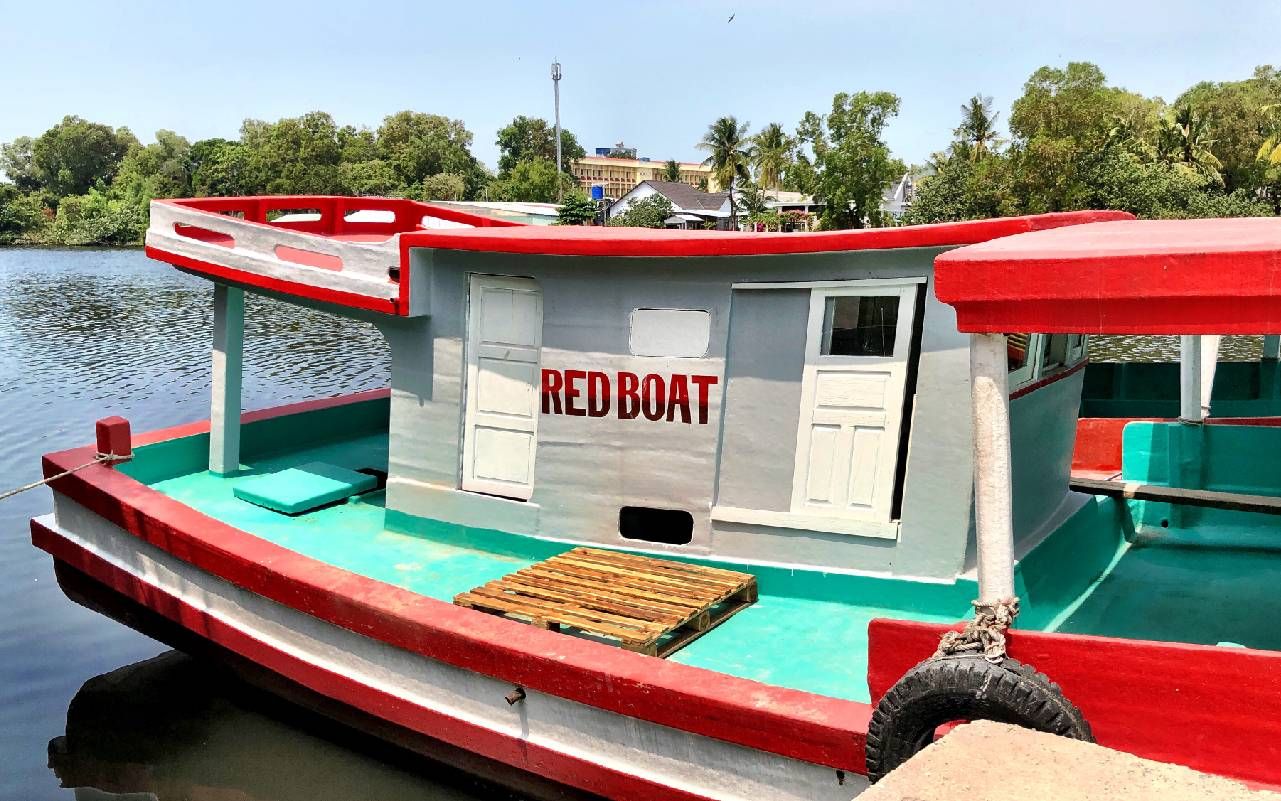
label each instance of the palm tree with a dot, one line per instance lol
(977, 135)
(726, 141)
(771, 152)
(671, 171)
(1183, 137)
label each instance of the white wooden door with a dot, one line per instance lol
(857, 346)
(500, 424)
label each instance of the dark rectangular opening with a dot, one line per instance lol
(909, 399)
(667, 526)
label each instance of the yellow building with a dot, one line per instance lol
(618, 175)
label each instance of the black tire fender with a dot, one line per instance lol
(961, 688)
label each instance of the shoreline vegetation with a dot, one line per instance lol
(1076, 142)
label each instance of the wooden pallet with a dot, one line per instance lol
(651, 606)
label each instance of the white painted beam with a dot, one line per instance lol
(228, 369)
(1209, 363)
(990, 398)
(1190, 379)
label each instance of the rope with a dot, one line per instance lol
(99, 459)
(985, 633)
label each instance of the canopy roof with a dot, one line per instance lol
(660, 243)
(1123, 277)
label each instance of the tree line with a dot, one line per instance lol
(1076, 142)
(85, 183)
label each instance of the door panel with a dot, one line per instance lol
(858, 342)
(500, 423)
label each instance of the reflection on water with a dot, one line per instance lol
(86, 334)
(1166, 349)
(173, 729)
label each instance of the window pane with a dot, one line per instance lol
(1016, 348)
(1055, 351)
(860, 325)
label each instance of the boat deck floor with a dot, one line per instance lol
(1203, 593)
(802, 643)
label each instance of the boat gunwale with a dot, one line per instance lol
(791, 723)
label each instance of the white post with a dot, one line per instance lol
(1190, 379)
(228, 366)
(1209, 363)
(1272, 347)
(990, 397)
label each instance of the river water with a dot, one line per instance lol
(85, 334)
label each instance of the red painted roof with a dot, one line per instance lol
(645, 242)
(1125, 277)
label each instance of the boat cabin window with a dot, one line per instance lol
(1034, 356)
(860, 325)
(1020, 350)
(670, 333)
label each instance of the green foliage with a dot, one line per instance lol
(373, 177)
(530, 138)
(648, 212)
(963, 189)
(443, 186)
(853, 164)
(161, 169)
(577, 209)
(96, 218)
(672, 170)
(17, 161)
(417, 145)
(21, 214)
(1238, 120)
(977, 136)
(222, 168)
(771, 153)
(726, 141)
(73, 155)
(533, 181)
(753, 200)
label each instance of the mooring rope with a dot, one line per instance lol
(985, 633)
(99, 459)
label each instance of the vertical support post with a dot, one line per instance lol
(560, 193)
(228, 369)
(1209, 364)
(990, 399)
(1271, 347)
(1190, 379)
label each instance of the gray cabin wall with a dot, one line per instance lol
(587, 468)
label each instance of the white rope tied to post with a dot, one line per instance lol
(101, 458)
(984, 633)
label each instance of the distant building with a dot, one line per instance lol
(691, 207)
(898, 197)
(617, 170)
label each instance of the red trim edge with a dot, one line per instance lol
(1049, 379)
(658, 243)
(790, 723)
(581, 773)
(294, 288)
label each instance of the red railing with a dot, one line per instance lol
(332, 212)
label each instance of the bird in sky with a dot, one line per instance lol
(731, 17)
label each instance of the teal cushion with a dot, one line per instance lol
(303, 488)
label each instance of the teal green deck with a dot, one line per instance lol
(808, 631)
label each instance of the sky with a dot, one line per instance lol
(651, 74)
